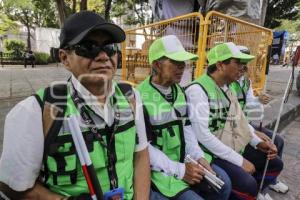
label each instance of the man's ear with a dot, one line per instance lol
(156, 65)
(219, 66)
(63, 57)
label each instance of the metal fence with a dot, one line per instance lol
(197, 35)
(135, 65)
(219, 28)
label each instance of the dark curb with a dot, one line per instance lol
(285, 119)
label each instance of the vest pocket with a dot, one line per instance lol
(126, 181)
(125, 144)
(62, 169)
(171, 143)
(172, 136)
(98, 156)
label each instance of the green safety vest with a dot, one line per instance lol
(219, 105)
(240, 91)
(167, 121)
(64, 173)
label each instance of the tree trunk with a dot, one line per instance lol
(28, 37)
(263, 12)
(61, 11)
(27, 24)
(74, 6)
(83, 5)
(107, 9)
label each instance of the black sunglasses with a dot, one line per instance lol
(90, 49)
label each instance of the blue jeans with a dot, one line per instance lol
(226, 189)
(279, 142)
(195, 194)
(245, 185)
(187, 195)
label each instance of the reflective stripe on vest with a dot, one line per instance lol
(218, 102)
(64, 170)
(218, 107)
(167, 122)
(240, 91)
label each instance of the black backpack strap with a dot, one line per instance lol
(39, 100)
(126, 89)
(128, 92)
(149, 129)
(53, 107)
(55, 99)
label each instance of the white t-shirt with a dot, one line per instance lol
(199, 115)
(159, 161)
(253, 107)
(23, 143)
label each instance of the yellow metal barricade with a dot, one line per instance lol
(197, 35)
(135, 64)
(219, 28)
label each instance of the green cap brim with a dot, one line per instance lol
(245, 58)
(182, 56)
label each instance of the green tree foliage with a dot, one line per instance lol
(45, 12)
(139, 11)
(293, 27)
(290, 26)
(96, 5)
(16, 47)
(22, 11)
(68, 7)
(42, 58)
(278, 10)
(7, 25)
(109, 8)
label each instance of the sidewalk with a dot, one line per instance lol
(291, 157)
(289, 129)
(276, 84)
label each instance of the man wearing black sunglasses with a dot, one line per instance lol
(112, 125)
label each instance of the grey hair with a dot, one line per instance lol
(154, 72)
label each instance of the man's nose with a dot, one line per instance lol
(102, 56)
(180, 66)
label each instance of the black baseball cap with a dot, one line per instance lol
(77, 26)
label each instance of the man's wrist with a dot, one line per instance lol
(180, 171)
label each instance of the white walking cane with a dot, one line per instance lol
(262, 118)
(277, 124)
(85, 160)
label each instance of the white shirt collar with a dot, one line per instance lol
(162, 89)
(241, 80)
(224, 88)
(103, 110)
(87, 95)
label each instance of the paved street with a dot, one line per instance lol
(19, 82)
(291, 157)
(16, 83)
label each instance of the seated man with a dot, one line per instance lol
(29, 58)
(244, 92)
(169, 129)
(221, 127)
(40, 159)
